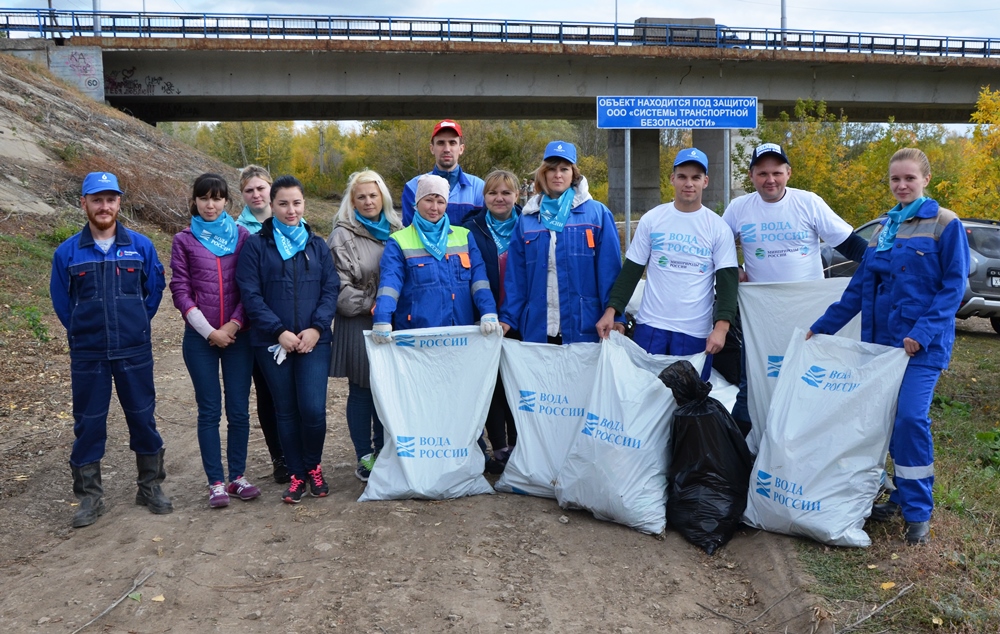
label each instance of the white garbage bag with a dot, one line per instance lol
(822, 455)
(770, 312)
(432, 389)
(617, 465)
(548, 388)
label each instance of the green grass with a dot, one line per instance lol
(957, 577)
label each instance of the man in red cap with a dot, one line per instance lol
(466, 190)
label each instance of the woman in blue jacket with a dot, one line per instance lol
(563, 258)
(492, 227)
(908, 286)
(289, 289)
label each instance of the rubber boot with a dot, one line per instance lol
(918, 533)
(88, 490)
(151, 476)
(885, 512)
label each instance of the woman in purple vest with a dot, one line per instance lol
(203, 260)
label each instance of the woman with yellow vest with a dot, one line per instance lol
(431, 272)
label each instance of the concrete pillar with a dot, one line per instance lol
(713, 144)
(645, 172)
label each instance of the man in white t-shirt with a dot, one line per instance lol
(779, 229)
(689, 256)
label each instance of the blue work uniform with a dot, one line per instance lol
(106, 302)
(464, 197)
(912, 289)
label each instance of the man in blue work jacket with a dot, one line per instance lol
(465, 190)
(106, 286)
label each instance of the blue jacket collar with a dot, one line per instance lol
(121, 235)
(928, 210)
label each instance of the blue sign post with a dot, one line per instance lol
(663, 113)
(636, 113)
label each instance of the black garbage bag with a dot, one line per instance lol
(710, 465)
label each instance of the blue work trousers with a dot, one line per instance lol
(912, 446)
(298, 387)
(203, 361)
(677, 344)
(133, 380)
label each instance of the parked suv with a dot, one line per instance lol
(982, 289)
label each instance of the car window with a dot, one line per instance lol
(984, 240)
(868, 231)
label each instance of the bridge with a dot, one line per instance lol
(208, 67)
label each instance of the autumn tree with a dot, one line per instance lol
(978, 184)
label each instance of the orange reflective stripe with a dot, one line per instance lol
(590, 238)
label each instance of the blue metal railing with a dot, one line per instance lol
(61, 24)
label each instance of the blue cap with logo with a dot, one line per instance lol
(97, 182)
(560, 149)
(692, 155)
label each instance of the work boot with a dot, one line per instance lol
(151, 476)
(885, 512)
(88, 490)
(918, 533)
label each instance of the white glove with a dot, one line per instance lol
(278, 352)
(381, 333)
(489, 325)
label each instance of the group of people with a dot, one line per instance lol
(266, 299)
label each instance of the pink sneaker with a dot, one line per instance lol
(217, 496)
(241, 488)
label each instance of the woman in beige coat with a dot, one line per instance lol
(364, 222)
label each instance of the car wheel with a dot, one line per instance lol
(995, 322)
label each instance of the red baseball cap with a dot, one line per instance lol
(447, 124)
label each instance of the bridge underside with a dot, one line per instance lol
(212, 80)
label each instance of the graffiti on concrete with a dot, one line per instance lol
(79, 64)
(124, 83)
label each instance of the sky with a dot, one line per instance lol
(970, 18)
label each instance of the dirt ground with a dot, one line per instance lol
(497, 563)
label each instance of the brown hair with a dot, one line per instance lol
(549, 165)
(254, 171)
(502, 177)
(915, 155)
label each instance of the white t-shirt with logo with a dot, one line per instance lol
(780, 240)
(681, 252)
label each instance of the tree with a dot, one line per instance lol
(978, 187)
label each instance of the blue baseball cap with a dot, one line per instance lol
(560, 149)
(692, 155)
(97, 182)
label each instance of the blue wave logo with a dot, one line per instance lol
(774, 364)
(404, 341)
(527, 403)
(664, 261)
(763, 486)
(803, 250)
(405, 446)
(656, 241)
(748, 232)
(590, 425)
(814, 376)
(702, 267)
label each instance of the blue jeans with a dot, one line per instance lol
(203, 361)
(362, 421)
(298, 386)
(133, 379)
(656, 341)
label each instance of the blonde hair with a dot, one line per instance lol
(254, 171)
(547, 166)
(346, 211)
(915, 155)
(500, 177)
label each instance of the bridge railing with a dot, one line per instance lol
(62, 24)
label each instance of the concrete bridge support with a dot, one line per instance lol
(645, 171)
(713, 144)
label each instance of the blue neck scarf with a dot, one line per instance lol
(379, 229)
(290, 240)
(501, 230)
(219, 236)
(554, 212)
(897, 216)
(434, 235)
(249, 221)
(451, 177)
